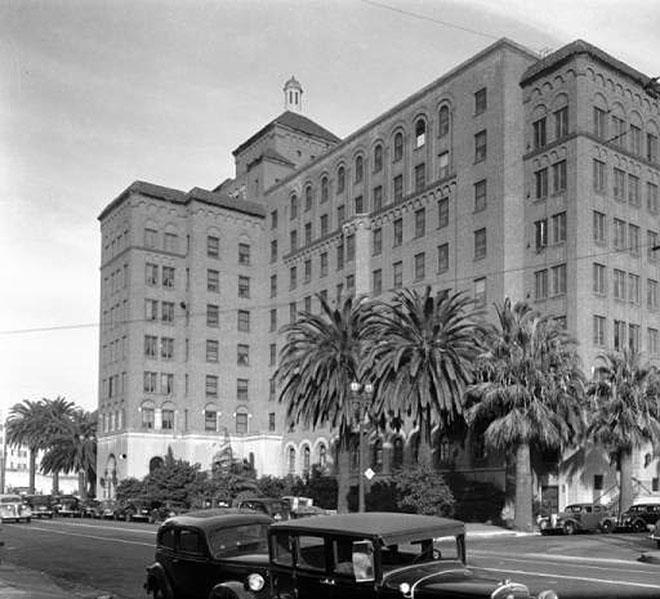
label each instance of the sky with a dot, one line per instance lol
(95, 95)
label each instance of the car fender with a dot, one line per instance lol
(231, 590)
(573, 521)
(156, 573)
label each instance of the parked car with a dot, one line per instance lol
(278, 509)
(655, 533)
(577, 517)
(90, 508)
(370, 555)
(106, 509)
(199, 550)
(132, 511)
(40, 505)
(67, 506)
(640, 517)
(13, 507)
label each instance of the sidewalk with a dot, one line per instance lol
(475, 530)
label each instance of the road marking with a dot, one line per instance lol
(543, 558)
(75, 534)
(640, 585)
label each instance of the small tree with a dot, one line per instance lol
(130, 488)
(422, 490)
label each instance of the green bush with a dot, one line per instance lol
(423, 490)
(476, 501)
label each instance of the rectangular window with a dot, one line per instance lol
(210, 420)
(619, 189)
(559, 227)
(480, 244)
(171, 242)
(599, 227)
(540, 137)
(166, 348)
(559, 177)
(541, 183)
(635, 140)
(293, 207)
(350, 247)
(167, 419)
(212, 280)
(242, 355)
(651, 147)
(341, 215)
(378, 198)
(273, 219)
(167, 312)
(241, 423)
(619, 235)
(150, 238)
(420, 266)
(600, 279)
(541, 284)
(166, 383)
(151, 309)
(150, 346)
(211, 386)
(308, 233)
(558, 279)
(212, 348)
(652, 198)
(148, 417)
(652, 294)
(377, 282)
(443, 213)
(150, 382)
(619, 284)
(600, 123)
(323, 271)
(398, 188)
(633, 190)
(652, 246)
(308, 270)
(541, 234)
(480, 146)
(599, 323)
(212, 315)
(443, 258)
(633, 239)
(619, 130)
(619, 335)
(168, 277)
(633, 288)
(480, 101)
(242, 389)
(308, 304)
(397, 227)
(443, 165)
(273, 251)
(273, 285)
(243, 323)
(561, 122)
(350, 283)
(480, 293)
(243, 287)
(480, 195)
(324, 225)
(273, 320)
(420, 177)
(340, 256)
(271, 421)
(377, 241)
(244, 254)
(293, 238)
(633, 337)
(212, 247)
(293, 312)
(151, 274)
(420, 222)
(397, 275)
(293, 277)
(599, 176)
(653, 345)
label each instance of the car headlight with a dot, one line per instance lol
(255, 582)
(404, 587)
(549, 594)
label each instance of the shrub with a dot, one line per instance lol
(423, 490)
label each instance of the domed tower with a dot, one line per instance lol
(293, 92)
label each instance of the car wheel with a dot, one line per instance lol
(639, 526)
(161, 590)
(569, 528)
(658, 544)
(607, 526)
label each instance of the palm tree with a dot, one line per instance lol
(529, 393)
(322, 355)
(74, 450)
(25, 426)
(58, 413)
(624, 412)
(422, 354)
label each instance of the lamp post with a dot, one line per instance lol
(360, 398)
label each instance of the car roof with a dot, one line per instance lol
(11, 496)
(218, 517)
(390, 527)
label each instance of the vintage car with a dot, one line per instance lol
(278, 509)
(655, 533)
(370, 556)
(132, 511)
(14, 508)
(41, 506)
(640, 517)
(577, 517)
(68, 506)
(200, 550)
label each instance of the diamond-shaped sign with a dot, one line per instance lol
(369, 473)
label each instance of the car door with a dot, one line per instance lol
(313, 576)
(345, 585)
(190, 565)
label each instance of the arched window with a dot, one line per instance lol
(378, 158)
(420, 133)
(398, 147)
(155, 463)
(293, 207)
(377, 461)
(397, 453)
(443, 121)
(323, 455)
(324, 189)
(291, 460)
(308, 198)
(359, 169)
(341, 179)
(307, 459)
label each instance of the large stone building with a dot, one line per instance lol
(510, 175)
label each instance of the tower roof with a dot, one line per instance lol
(293, 83)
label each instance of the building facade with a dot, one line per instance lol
(480, 182)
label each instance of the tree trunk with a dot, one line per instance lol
(625, 481)
(424, 451)
(33, 470)
(56, 482)
(523, 515)
(343, 478)
(82, 486)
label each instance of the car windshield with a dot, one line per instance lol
(238, 540)
(417, 552)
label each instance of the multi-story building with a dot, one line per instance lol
(481, 182)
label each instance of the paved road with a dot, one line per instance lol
(112, 556)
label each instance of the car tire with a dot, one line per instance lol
(161, 590)
(658, 544)
(607, 526)
(639, 526)
(570, 528)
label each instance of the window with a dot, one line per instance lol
(293, 238)
(340, 256)
(420, 266)
(210, 420)
(350, 283)
(324, 190)
(633, 239)
(619, 284)
(398, 147)
(619, 334)
(359, 169)
(559, 279)
(480, 195)
(599, 330)
(350, 247)
(244, 254)
(167, 312)
(420, 222)
(273, 320)
(619, 235)
(243, 321)
(168, 277)
(242, 355)
(308, 233)
(324, 225)
(148, 417)
(212, 280)
(150, 382)
(599, 176)
(398, 188)
(212, 347)
(541, 183)
(619, 131)
(540, 137)
(212, 315)
(378, 158)
(443, 165)
(443, 121)
(653, 346)
(308, 270)
(600, 123)
(341, 179)
(559, 227)
(151, 309)
(633, 288)
(633, 190)
(212, 247)
(273, 285)
(377, 241)
(600, 279)
(171, 242)
(273, 219)
(561, 122)
(652, 197)
(341, 215)
(480, 101)
(241, 423)
(420, 177)
(559, 177)
(273, 251)
(651, 147)
(243, 287)
(378, 198)
(166, 348)
(308, 304)
(359, 205)
(150, 346)
(541, 284)
(635, 140)
(443, 213)
(271, 421)
(599, 227)
(480, 292)
(151, 274)
(150, 238)
(619, 184)
(651, 245)
(324, 265)
(308, 198)
(293, 207)
(242, 389)
(420, 133)
(480, 146)
(397, 226)
(167, 419)
(480, 244)
(633, 337)
(293, 312)
(377, 282)
(397, 275)
(443, 257)
(166, 383)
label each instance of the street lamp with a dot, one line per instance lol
(360, 398)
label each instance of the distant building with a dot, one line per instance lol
(501, 178)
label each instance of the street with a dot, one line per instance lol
(111, 557)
